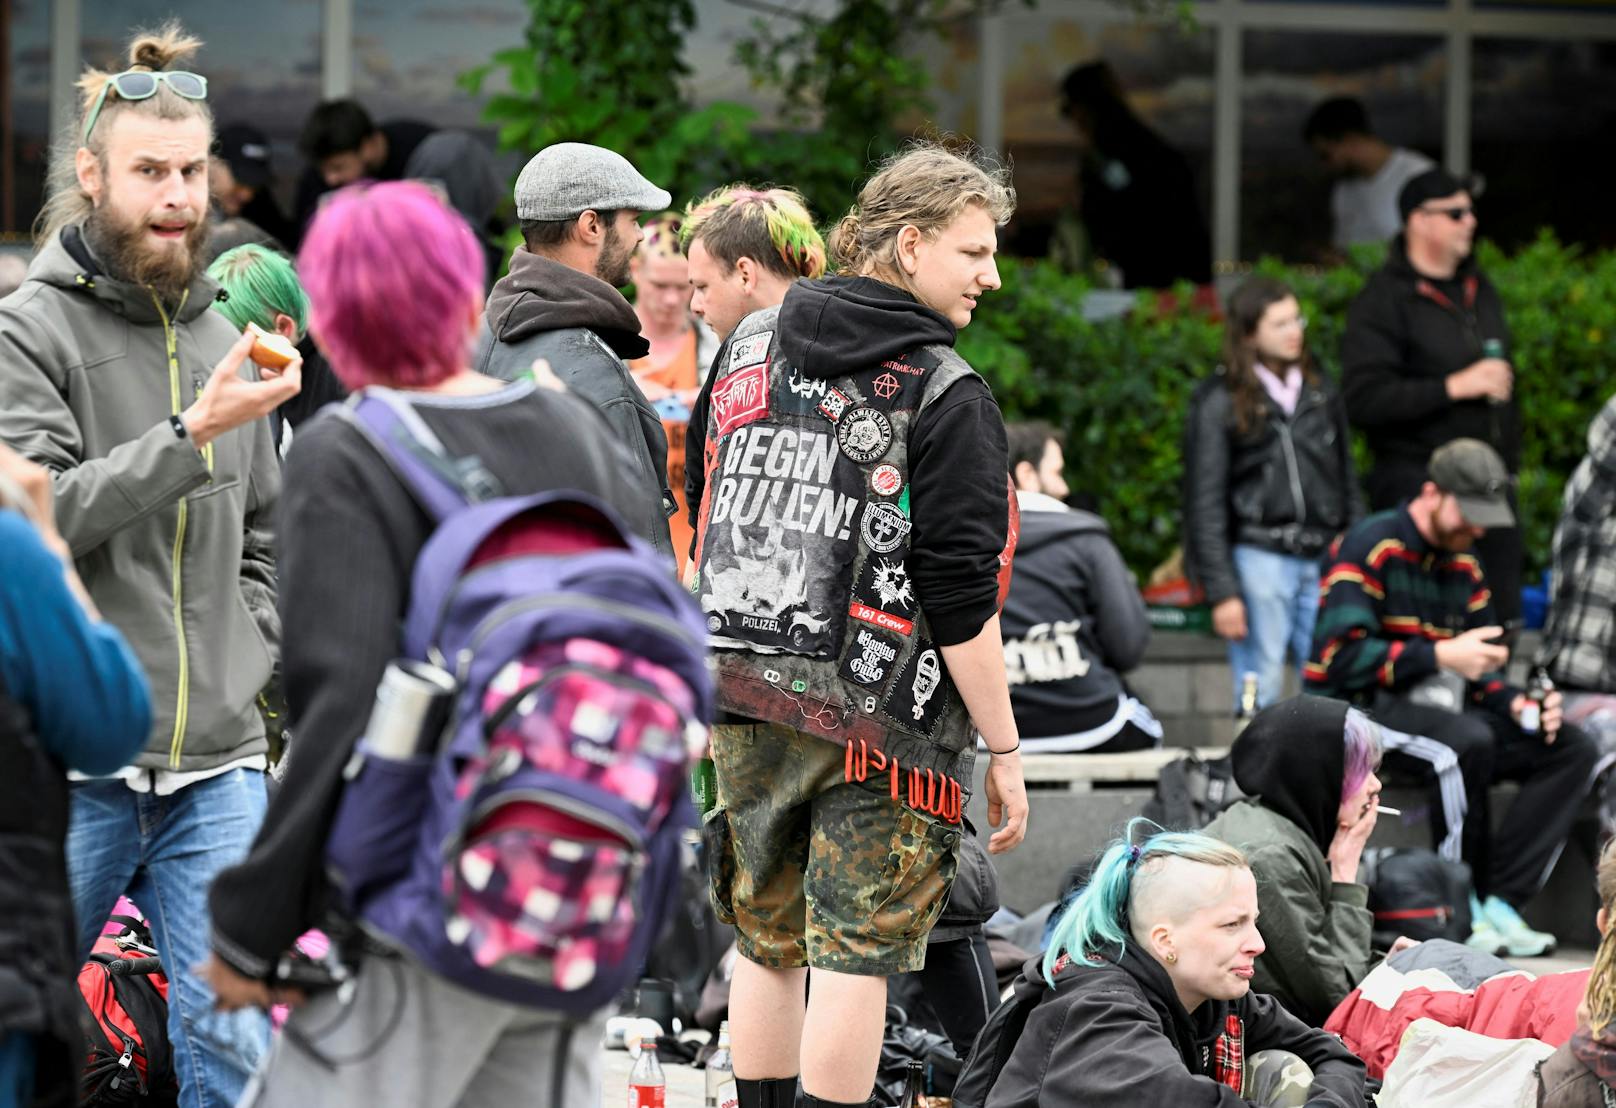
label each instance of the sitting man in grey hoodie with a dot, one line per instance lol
(578, 207)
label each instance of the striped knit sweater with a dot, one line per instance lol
(1386, 599)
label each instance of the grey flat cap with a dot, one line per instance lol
(570, 178)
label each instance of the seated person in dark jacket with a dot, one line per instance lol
(1149, 997)
(1307, 766)
(1074, 621)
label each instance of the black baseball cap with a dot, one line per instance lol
(246, 149)
(1433, 184)
(1475, 475)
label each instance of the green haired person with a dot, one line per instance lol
(262, 288)
(1144, 997)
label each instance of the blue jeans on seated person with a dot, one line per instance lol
(1281, 594)
(164, 851)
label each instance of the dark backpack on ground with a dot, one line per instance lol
(995, 1043)
(534, 855)
(1191, 792)
(1416, 892)
(129, 1060)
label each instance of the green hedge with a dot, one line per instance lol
(1120, 387)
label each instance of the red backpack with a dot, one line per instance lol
(128, 1059)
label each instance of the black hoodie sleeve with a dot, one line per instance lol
(959, 490)
(1338, 1075)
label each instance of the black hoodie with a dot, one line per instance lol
(1405, 334)
(1293, 757)
(1290, 761)
(958, 482)
(1073, 623)
(587, 332)
(1113, 1034)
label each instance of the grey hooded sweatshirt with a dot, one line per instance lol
(172, 542)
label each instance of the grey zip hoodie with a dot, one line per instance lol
(172, 542)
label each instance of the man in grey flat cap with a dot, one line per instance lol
(578, 206)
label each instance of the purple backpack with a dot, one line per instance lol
(533, 857)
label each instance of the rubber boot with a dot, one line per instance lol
(770, 1092)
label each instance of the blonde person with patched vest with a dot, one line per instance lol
(145, 408)
(854, 516)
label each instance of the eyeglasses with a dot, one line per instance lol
(1457, 214)
(141, 84)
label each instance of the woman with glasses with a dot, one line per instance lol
(1268, 485)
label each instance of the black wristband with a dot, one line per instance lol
(180, 430)
(1002, 753)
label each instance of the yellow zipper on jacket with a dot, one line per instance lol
(183, 695)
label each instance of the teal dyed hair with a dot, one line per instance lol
(262, 284)
(1099, 916)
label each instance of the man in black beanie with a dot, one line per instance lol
(1425, 360)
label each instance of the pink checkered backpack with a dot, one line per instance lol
(534, 856)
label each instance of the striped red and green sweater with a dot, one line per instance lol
(1386, 599)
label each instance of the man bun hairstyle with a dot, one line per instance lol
(924, 185)
(771, 226)
(168, 47)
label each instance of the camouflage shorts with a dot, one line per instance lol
(1277, 1079)
(816, 871)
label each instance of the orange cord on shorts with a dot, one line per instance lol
(937, 794)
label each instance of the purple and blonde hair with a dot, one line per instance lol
(770, 226)
(1362, 736)
(393, 276)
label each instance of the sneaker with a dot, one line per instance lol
(1520, 941)
(1483, 935)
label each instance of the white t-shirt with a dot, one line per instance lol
(1365, 208)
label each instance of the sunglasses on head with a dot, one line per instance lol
(1456, 213)
(141, 84)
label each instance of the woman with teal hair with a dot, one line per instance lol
(1144, 997)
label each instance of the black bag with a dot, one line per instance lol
(692, 941)
(128, 1059)
(1191, 792)
(995, 1042)
(1416, 892)
(905, 1042)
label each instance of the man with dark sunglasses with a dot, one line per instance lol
(1424, 361)
(141, 403)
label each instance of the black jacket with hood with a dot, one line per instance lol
(1290, 762)
(839, 325)
(1073, 622)
(1113, 1034)
(1405, 334)
(1287, 485)
(587, 332)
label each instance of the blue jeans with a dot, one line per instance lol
(1281, 594)
(164, 851)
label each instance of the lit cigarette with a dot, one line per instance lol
(1385, 811)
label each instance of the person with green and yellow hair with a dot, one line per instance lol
(746, 246)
